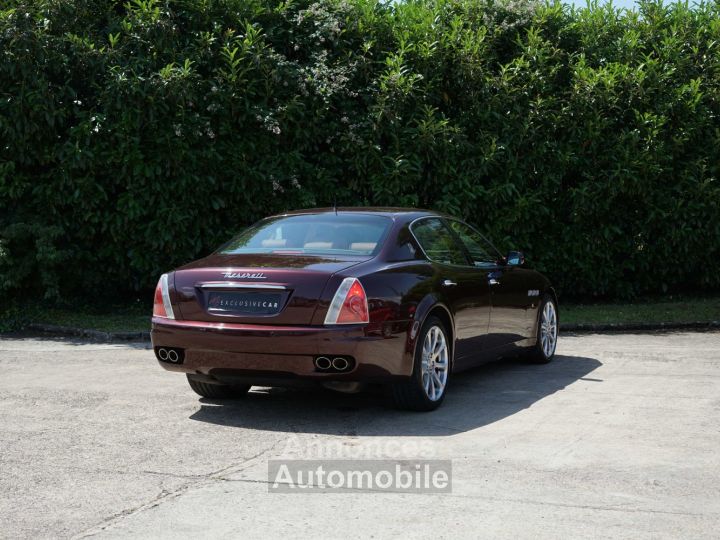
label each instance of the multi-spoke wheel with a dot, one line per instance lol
(434, 363)
(425, 390)
(547, 332)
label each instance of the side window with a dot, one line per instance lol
(481, 252)
(404, 248)
(438, 243)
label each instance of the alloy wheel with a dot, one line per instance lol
(434, 363)
(548, 330)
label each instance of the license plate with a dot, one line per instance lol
(244, 303)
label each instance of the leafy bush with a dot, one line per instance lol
(138, 136)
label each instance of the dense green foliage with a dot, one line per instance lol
(136, 136)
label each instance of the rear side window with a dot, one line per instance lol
(313, 234)
(483, 254)
(438, 242)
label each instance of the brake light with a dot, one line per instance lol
(162, 306)
(349, 305)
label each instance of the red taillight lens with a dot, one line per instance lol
(158, 307)
(161, 305)
(349, 305)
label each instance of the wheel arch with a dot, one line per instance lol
(431, 306)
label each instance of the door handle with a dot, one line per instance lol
(493, 278)
(493, 281)
(449, 283)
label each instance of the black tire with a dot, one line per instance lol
(217, 391)
(411, 394)
(539, 354)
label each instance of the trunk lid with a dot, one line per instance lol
(282, 289)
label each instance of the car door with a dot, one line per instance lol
(459, 284)
(509, 320)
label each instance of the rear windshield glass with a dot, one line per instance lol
(322, 234)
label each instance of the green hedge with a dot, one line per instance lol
(137, 136)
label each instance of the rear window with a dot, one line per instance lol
(321, 234)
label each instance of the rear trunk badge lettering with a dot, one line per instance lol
(244, 275)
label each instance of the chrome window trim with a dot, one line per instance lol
(234, 285)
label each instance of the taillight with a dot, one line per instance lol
(162, 306)
(349, 305)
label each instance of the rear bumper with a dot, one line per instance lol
(281, 353)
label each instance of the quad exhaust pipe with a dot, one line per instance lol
(323, 363)
(174, 356)
(338, 364)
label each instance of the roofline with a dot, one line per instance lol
(372, 210)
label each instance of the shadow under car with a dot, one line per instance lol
(477, 397)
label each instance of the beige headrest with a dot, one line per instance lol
(274, 243)
(363, 246)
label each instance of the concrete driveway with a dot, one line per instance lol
(618, 437)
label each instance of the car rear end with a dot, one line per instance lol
(282, 303)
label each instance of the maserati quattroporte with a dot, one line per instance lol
(349, 296)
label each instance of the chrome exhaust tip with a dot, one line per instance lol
(172, 356)
(163, 354)
(340, 363)
(323, 362)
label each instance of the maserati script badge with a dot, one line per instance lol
(244, 275)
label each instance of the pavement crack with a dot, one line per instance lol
(116, 518)
(608, 508)
(164, 496)
(175, 475)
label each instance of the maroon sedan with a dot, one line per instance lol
(344, 297)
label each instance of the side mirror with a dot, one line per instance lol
(515, 258)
